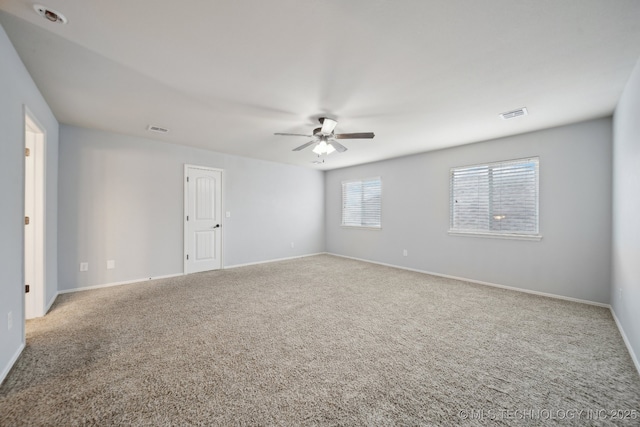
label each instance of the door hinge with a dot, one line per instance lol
(187, 256)
(27, 152)
(26, 220)
(187, 179)
(26, 289)
(187, 217)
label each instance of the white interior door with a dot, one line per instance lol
(203, 219)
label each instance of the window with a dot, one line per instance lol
(496, 199)
(361, 203)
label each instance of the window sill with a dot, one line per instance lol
(361, 227)
(532, 237)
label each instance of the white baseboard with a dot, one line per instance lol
(126, 282)
(12, 362)
(272, 260)
(50, 303)
(626, 341)
(146, 279)
(479, 282)
(634, 358)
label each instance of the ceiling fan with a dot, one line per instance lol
(325, 139)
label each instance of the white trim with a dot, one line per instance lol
(50, 303)
(626, 341)
(186, 212)
(125, 282)
(168, 276)
(496, 162)
(634, 358)
(12, 362)
(274, 260)
(479, 282)
(371, 178)
(39, 284)
(361, 227)
(185, 209)
(534, 237)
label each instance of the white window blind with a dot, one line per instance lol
(361, 203)
(496, 198)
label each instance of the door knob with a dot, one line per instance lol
(216, 226)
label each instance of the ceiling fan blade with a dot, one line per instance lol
(328, 125)
(339, 147)
(303, 146)
(361, 135)
(292, 134)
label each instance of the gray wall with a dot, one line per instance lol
(571, 260)
(121, 198)
(625, 289)
(16, 90)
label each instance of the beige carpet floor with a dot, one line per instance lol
(319, 341)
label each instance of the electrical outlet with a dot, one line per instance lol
(9, 320)
(620, 294)
(84, 266)
(405, 253)
(228, 215)
(111, 264)
(292, 245)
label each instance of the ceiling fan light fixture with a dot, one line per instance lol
(323, 148)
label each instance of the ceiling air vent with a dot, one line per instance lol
(157, 129)
(515, 113)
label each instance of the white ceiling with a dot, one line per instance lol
(422, 75)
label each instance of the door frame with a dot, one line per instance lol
(187, 166)
(38, 287)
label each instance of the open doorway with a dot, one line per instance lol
(34, 216)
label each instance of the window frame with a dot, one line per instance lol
(359, 227)
(535, 236)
